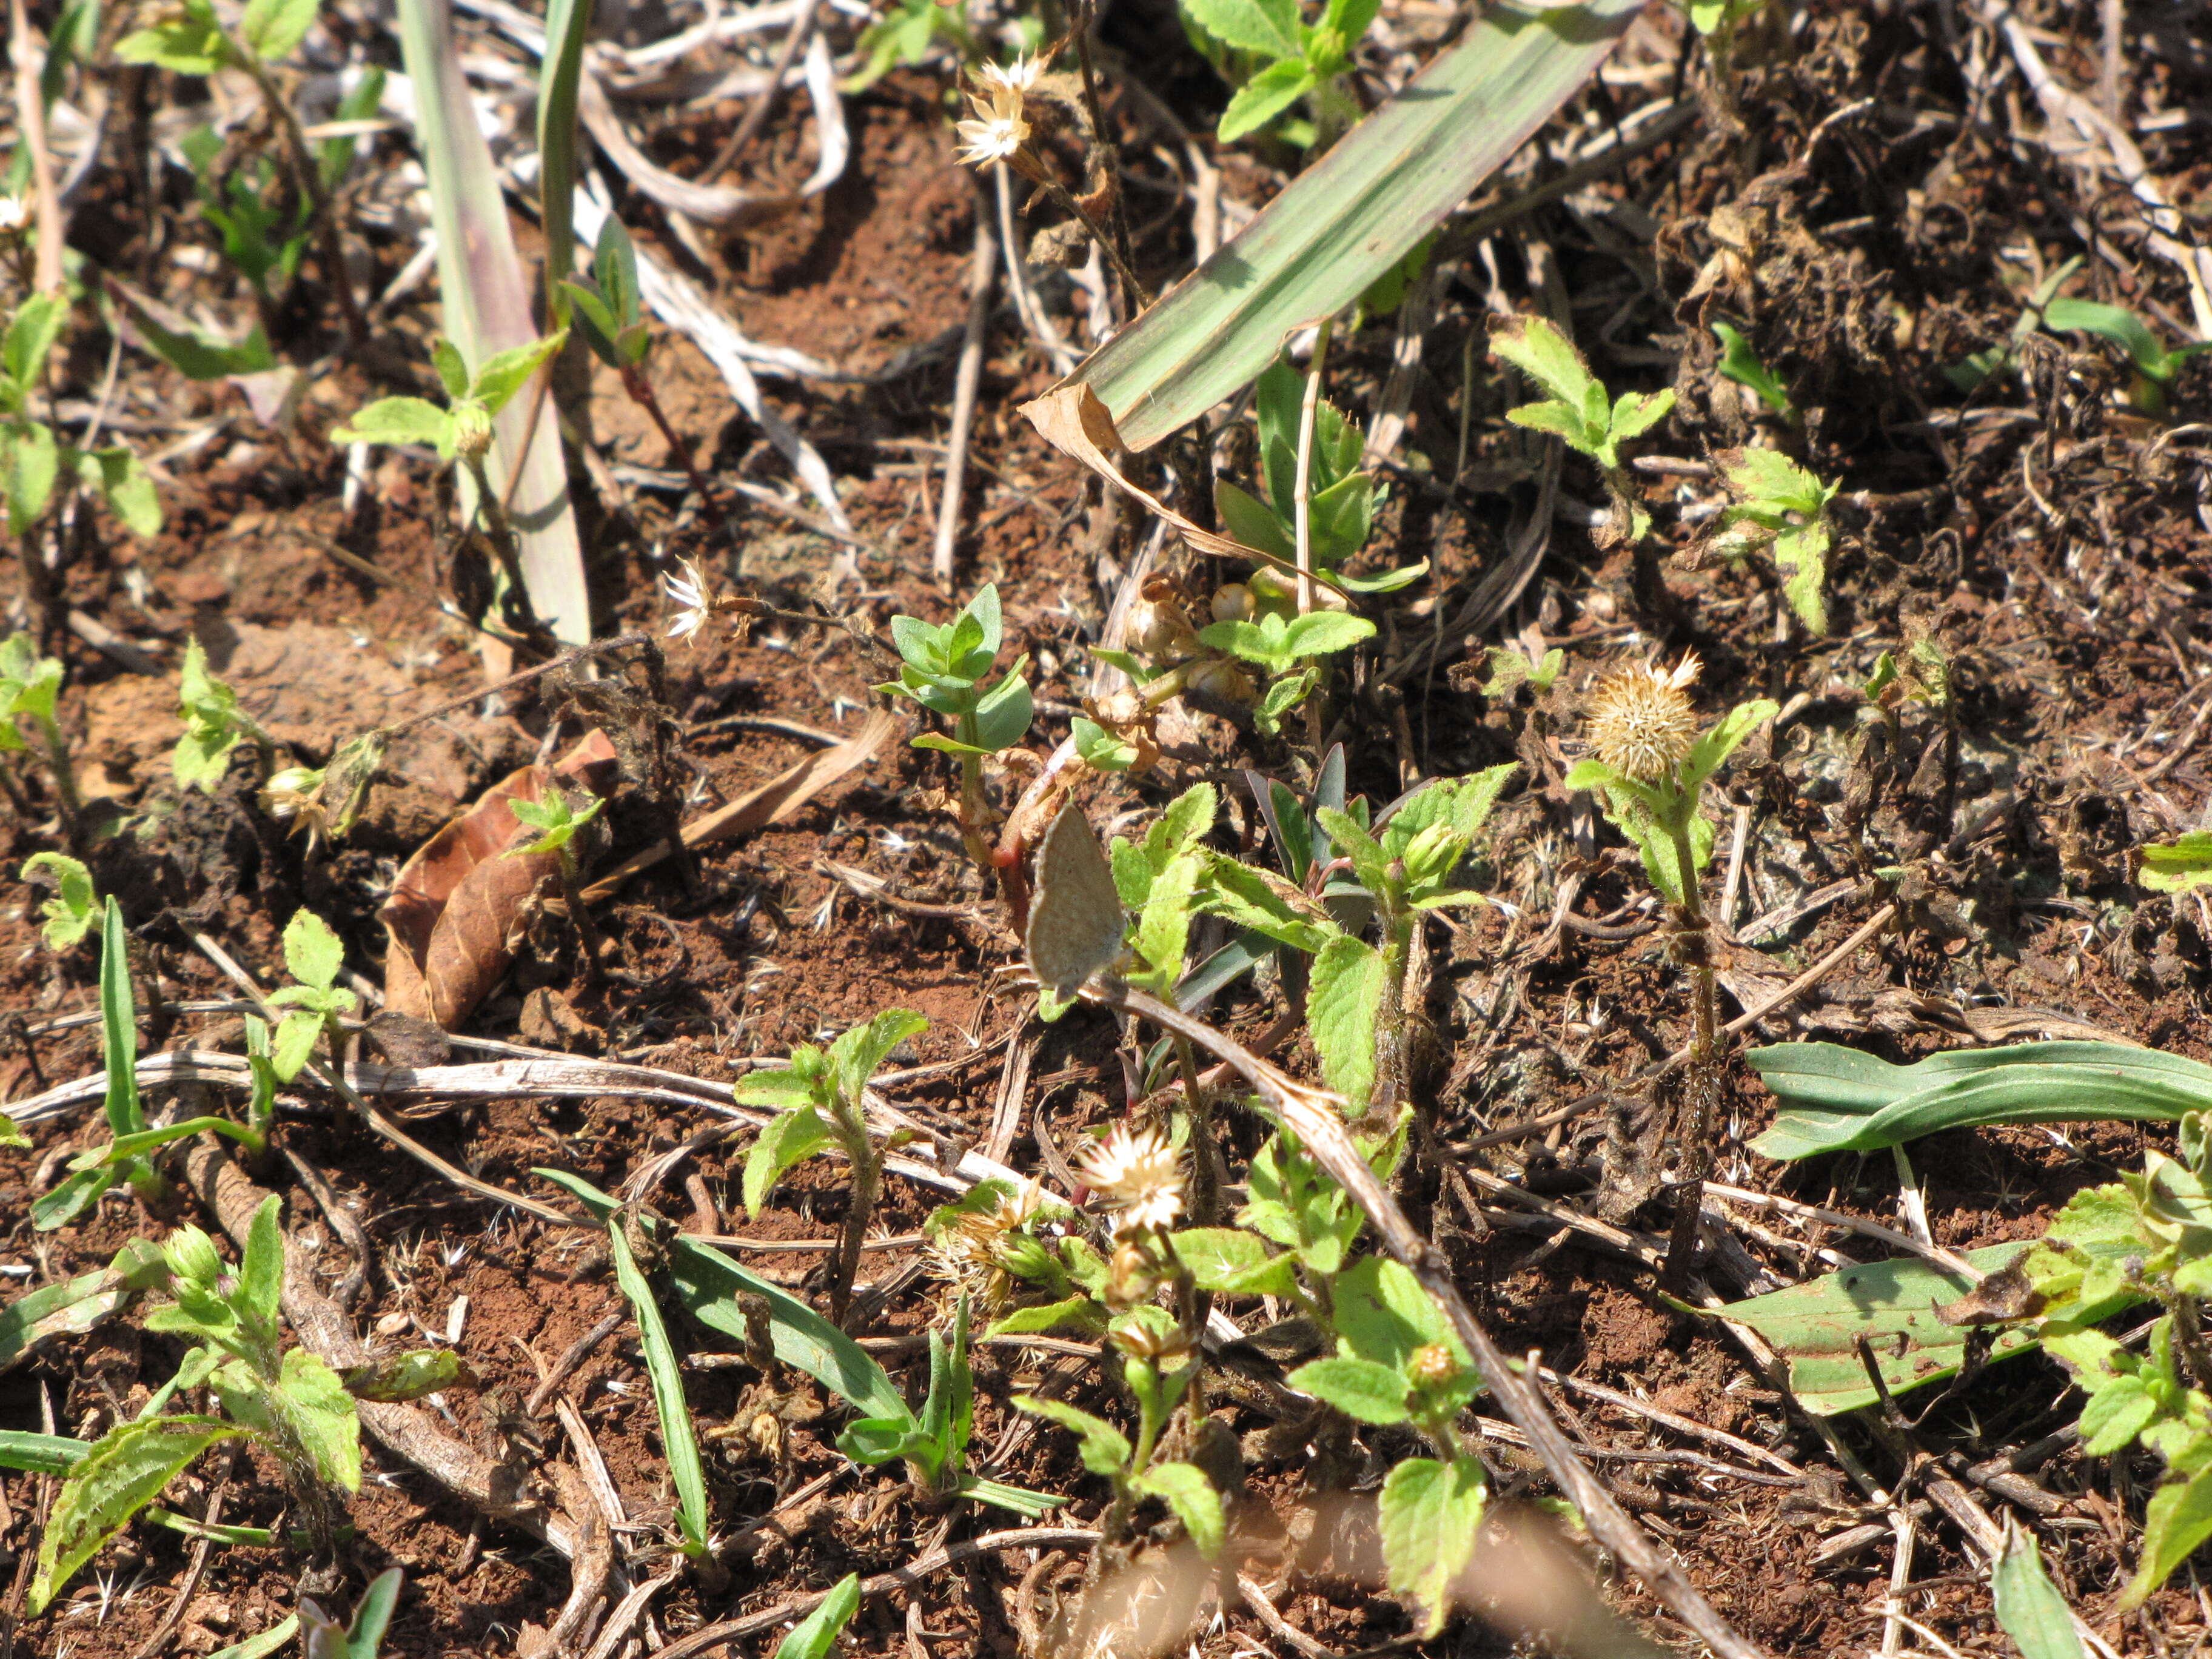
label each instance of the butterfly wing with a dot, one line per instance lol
(1075, 920)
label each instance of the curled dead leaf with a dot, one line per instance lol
(451, 913)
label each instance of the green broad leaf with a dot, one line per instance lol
(1359, 1388)
(1350, 215)
(1769, 478)
(1323, 633)
(1079, 1313)
(261, 1265)
(31, 335)
(815, 1637)
(372, 1617)
(189, 44)
(1838, 1099)
(124, 1472)
(1429, 1515)
(1817, 1326)
(1265, 96)
(403, 1376)
(1741, 363)
(708, 1283)
(2029, 1605)
(1267, 904)
(878, 1440)
(1233, 1262)
(311, 951)
(1269, 28)
(1720, 740)
(1253, 522)
(272, 29)
(1535, 346)
(40, 1453)
(295, 1043)
(119, 1024)
(1344, 1002)
(678, 1443)
(1103, 1449)
(1635, 413)
(321, 1414)
(789, 1138)
(1003, 716)
(506, 372)
(1462, 805)
(453, 373)
(125, 485)
(1801, 555)
(1383, 1314)
(1162, 929)
(854, 1056)
(73, 1306)
(1561, 421)
(1370, 864)
(71, 913)
(399, 420)
(2174, 866)
(1192, 1497)
(2178, 1518)
(1384, 581)
(34, 462)
(1099, 749)
(2114, 1415)
(782, 1089)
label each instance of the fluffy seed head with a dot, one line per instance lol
(1641, 722)
(1135, 1172)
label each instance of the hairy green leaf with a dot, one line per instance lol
(1429, 1515)
(1192, 1497)
(1103, 1449)
(1344, 1001)
(125, 1471)
(789, 1138)
(1359, 1388)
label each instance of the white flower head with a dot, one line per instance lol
(1015, 78)
(1136, 1173)
(14, 215)
(997, 134)
(687, 587)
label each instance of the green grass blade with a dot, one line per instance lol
(566, 24)
(40, 1453)
(1351, 215)
(486, 297)
(677, 1442)
(119, 1022)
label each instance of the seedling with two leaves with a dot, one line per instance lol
(946, 668)
(32, 460)
(75, 908)
(1782, 510)
(215, 724)
(316, 1002)
(1579, 412)
(30, 688)
(1278, 59)
(821, 1102)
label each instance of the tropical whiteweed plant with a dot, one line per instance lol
(288, 1401)
(32, 460)
(1782, 510)
(1579, 412)
(946, 667)
(822, 1102)
(74, 910)
(215, 724)
(1650, 764)
(30, 688)
(1277, 60)
(933, 1442)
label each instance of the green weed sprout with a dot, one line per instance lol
(1159, 1363)
(558, 823)
(316, 1002)
(31, 460)
(1509, 670)
(1340, 496)
(821, 1102)
(904, 35)
(1650, 763)
(1398, 1361)
(1295, 60)
(933, 1443)
(815, 1637)
(462, 431)
(2146, 1235)
(1980, 366)
(1782, 510)
(1741, 363)
(71, 913)
(1578, 411)
(288, 1401)
(679, 1442)
(215, 724)
(1287, 650)
(945, 669)
(263, 242)
(2155, 366)
(30, 686)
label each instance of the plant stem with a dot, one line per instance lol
(1701, 1083)
(1204, 1187)
(66, 801)
(1302, 492)
(572, 895)
(1140, 296)
(1123, 255)
(308, 177)
(867, 1182)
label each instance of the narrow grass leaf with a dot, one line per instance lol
(677, 1442)
(40, 1453)
(815, 1636)
(118, 1024)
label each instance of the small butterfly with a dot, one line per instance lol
(1075, 921)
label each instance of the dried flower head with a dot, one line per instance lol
(1150, 1339)
(970, 1253)
(1012, 79)
(999, 130)
(695, 600)
(1640, 721)
(1135, 1172)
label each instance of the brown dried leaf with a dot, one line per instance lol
(456, 902)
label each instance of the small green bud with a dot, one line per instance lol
(191, 1257)
(472, 431)
(1432, 1366)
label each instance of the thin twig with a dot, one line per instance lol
(802, 27)
(982, 281)
(31, 122)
